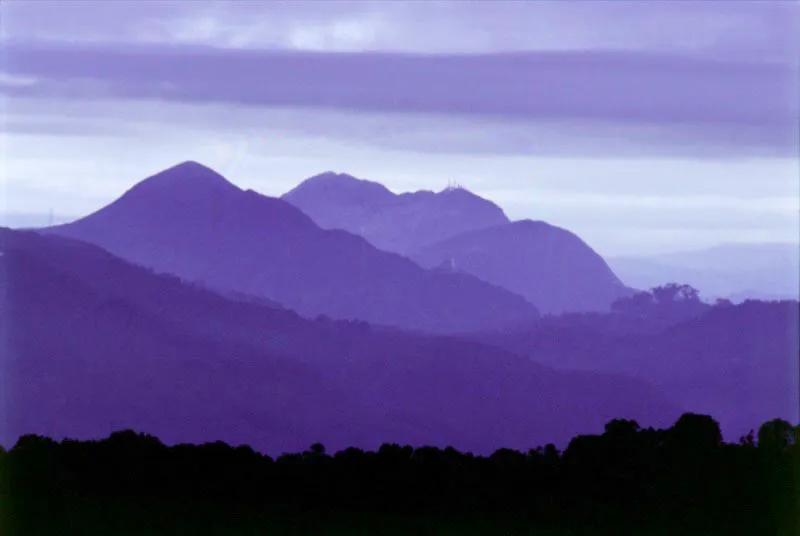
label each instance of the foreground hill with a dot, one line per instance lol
(95, 344)
(191, 222)
(402, 223)
(547, 265)
(740, 363)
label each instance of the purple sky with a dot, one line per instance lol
(643, 127)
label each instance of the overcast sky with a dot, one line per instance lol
(642, 126)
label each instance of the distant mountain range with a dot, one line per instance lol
(547, 265)
(550, 267)
(195, 310)
(402, 223)
(191, 222)
(734, 271)
(94, 344)
(184, 219)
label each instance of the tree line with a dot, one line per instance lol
(627, 480)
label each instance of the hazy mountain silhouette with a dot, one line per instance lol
(745, 256)
(755, 295)
(740, 363)
(551, 267)
(733, 271)
(189, 221)
(402, 223)
(96, 344)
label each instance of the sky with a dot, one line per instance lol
(643, 127)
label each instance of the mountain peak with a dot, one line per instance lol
(192, 165)
(341, 186)
(454, 187)
(189, 176)
(166, 195)
(333, 179)
(458, 193)
(332, 176)
(401, 223)
(532, 224)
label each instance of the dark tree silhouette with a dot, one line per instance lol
(318, 449)
(629, 480)
(622, 429)
(637, 303)
(695, 432)
(674, 292)
(776, 435)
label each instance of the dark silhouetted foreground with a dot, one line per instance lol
(683, 480)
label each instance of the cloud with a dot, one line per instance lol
(11, 81)
(727, 105)
(730, 28)
(634, 124)
(442, 134)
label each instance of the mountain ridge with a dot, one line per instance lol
(392, 222)
(424, 226)
(239, 240)
(99, 343)
(546, 264)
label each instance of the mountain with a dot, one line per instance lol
(549, 266)
(739, 363)
(402, 223)
(94, 344)
(755, 295)
(732, 271)
(191, 222)
(455, 231)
